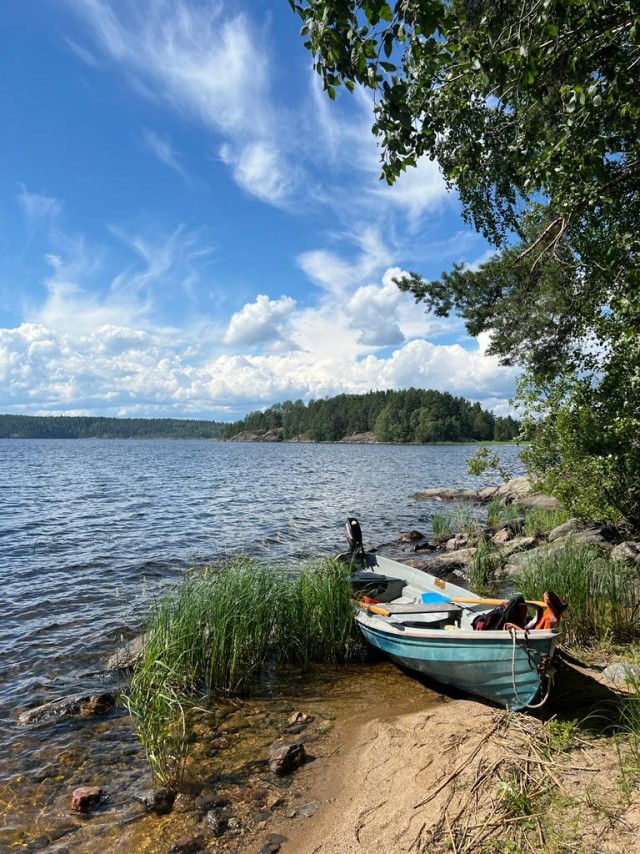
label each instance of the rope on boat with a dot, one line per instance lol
(541, 670)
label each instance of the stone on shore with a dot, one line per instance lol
(128, 656)
(516, 491)
(622, 673)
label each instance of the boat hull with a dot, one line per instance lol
(486, 666)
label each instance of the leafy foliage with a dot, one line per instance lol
(412, 415)
(511, 99)
(522, 103)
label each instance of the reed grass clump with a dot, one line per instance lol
(458, 520)
(485, 563)
(214, 633)
(540, 520)
(498, 511)
(603, 594)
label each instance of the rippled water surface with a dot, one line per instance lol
(89, 530)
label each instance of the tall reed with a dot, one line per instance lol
(213, 633)
(485, 563)
(603, 595)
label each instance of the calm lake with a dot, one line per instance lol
(91, 529)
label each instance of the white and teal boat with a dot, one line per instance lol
(424, 624)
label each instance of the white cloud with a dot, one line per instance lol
(336, 273)
(209, 64)
(161, 148)
(417, 190)
(373, 312)
(39, 210)
(161, 280)
(258, 168)
(262, 321)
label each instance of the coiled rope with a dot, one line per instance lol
(547, 676)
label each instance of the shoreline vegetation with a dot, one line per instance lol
(413, 416)
(94, 427)
(476, 779)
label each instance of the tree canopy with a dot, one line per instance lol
(411, 415)
(95, 427)
(532, 111)
(512, 99)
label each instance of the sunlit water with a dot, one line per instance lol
(90, 529)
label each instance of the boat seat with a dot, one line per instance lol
(420, 608)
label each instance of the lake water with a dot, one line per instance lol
(89, 530)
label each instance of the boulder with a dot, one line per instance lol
(159, 801)
(460, 541)
(127, 656)
(285, 758)
(622, 673)
(628, 551)
(78, 705)
(85, 798)
(518, 544)
(410, 537)
(448, 562)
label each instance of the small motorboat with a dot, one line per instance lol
(426, 624)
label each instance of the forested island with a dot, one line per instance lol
(413, 415)
(89, 427)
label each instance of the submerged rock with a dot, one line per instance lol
(85, 797)
(285, 758)
(186, 845)
(159, 801)
(79, 705)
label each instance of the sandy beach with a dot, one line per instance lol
(457, 775)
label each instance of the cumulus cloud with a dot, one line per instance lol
(114, 369)
(262, 321)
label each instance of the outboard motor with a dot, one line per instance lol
(354, 535)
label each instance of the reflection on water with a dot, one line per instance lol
(89, 531)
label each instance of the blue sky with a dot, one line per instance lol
(189, 227)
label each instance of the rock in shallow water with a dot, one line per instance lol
(85, 797)
(285, 758)
(79, 705)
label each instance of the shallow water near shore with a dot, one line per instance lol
(91, 531)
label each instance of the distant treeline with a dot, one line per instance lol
(87, 427)
(414, 415)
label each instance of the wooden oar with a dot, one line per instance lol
(473, 600)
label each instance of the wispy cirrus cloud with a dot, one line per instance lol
(38, 209)
(208, 64)
(161, 147)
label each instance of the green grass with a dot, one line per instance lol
(540, 521)
(215, 633)
(498, 512)
(459, 520)
(603, 595)
(486, 561)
